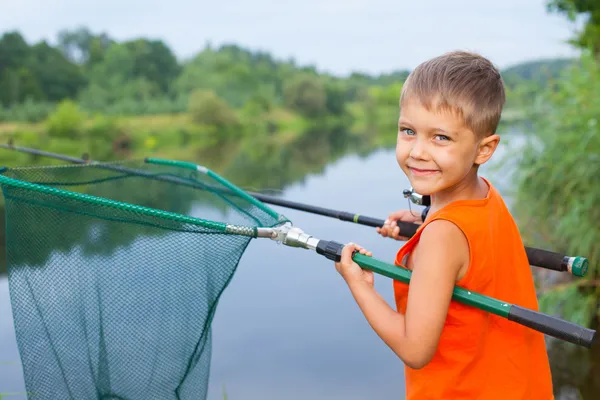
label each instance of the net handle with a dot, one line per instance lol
(119, 205)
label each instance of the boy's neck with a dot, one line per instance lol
(470, 188)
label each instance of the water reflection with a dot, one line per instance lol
(287, 327)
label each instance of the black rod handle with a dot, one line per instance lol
(553, 326)
(407, 229)
(577, 266)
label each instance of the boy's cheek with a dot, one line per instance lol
(401, 154)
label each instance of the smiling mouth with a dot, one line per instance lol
(423, 172)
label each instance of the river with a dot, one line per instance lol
(287, 326)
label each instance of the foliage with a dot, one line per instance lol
(235, 74)
(538, 72)
(66, 122)
(526, 80)
(207, 108)
(589, 37)
(558, 190)
(377, 112)
(306, 94)
(88, 89)
(39, 72)
(28, 111)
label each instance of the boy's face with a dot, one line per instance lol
(436, 150)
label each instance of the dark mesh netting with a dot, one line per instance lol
(115, 300)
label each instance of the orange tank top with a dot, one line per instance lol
(481, 355)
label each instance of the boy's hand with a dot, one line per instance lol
(351, 271)
(391, 228)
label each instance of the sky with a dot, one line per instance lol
(337, 36)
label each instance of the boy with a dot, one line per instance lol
(450, 108)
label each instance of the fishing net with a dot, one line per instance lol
(115, 271)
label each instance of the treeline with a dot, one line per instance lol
(538, 72)
(143, 76)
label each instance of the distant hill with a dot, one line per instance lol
(538, 71)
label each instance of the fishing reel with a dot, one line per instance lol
(418, 199)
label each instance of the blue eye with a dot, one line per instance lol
(442, 137)
(407, 131)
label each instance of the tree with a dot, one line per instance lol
(58, 78)
(154, 62)
(82, 47)
(14, 51)
(207, 108)
(589, 37)
(17, 80)
(306, 94)
(39, 73)
(116, 79)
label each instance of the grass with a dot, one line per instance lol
(4, 395)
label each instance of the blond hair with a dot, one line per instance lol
(461, 82)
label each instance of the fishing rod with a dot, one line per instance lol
(575, 265)
(293, 236)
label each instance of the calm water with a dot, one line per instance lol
(287, 326)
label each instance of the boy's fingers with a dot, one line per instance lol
(362, 250)
(350, 248)
(346, 251)
(402, 215)
(397, 215)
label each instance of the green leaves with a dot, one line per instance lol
(66, 122)
(569, 301)
(558, 181)
(589, 36)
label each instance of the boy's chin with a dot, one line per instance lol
(423, 188)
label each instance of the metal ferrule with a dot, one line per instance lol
(267, 233)
(289, 236)
(295, 237)
(570, 264)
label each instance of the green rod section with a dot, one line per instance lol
(176, 163)
(4, 180)
(218, 178)
(546, 324)
(460, 294)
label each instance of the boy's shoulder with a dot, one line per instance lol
(472, 221)
(473, 209)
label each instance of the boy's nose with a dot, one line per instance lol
(418, 150)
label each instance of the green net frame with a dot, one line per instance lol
(115, 271)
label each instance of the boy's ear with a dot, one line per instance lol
(487, 146)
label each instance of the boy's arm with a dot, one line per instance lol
(442, 253)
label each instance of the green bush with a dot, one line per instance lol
(66, 122)
(558, 185)
(205, 107)
(28, 111)
(306, 94)
(219, 121)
